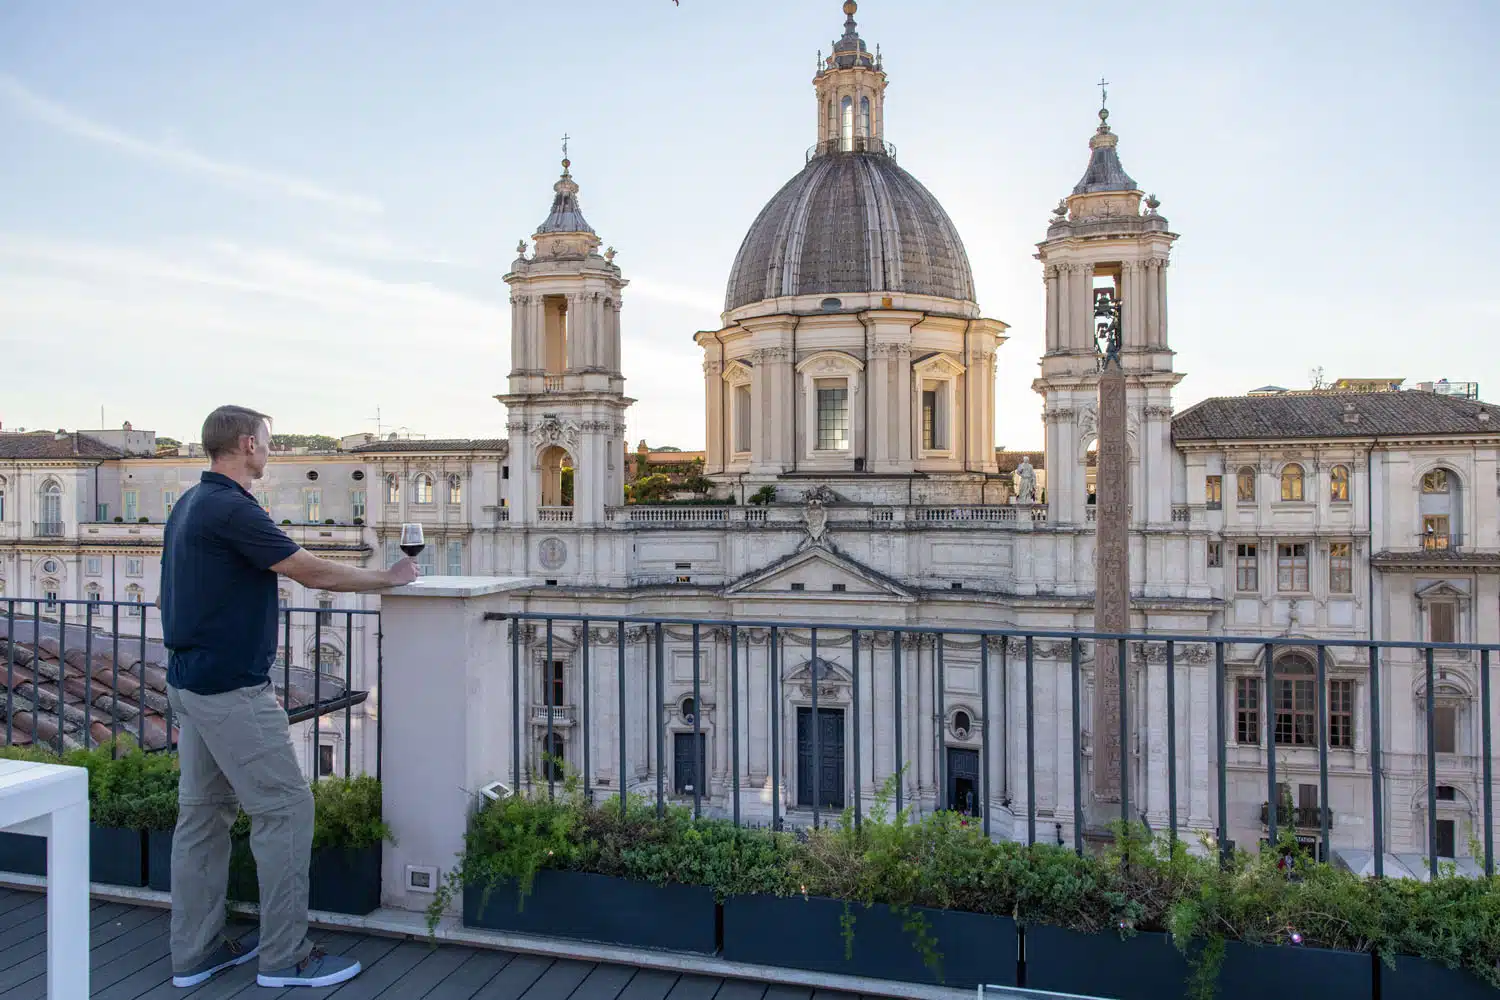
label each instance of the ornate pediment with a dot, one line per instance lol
(938, 366)
(830, 363)
(737, 373)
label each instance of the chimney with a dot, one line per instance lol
(1351, 415)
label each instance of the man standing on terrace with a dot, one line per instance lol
(220, 559)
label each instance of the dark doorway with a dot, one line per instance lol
(830, 758)
(686, 772)
(963, 781)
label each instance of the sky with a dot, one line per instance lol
(309, 208)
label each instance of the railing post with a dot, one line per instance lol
(1485, 746)
(1223, 776)
(1432, 855)
(1377, 818)
(1030, 747)
(446, 733)
(1271, 803)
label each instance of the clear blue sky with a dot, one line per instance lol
(308, 207)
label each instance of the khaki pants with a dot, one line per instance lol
(234, 750)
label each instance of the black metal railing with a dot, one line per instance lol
(79, 672)
(750, 665)
(851, 144)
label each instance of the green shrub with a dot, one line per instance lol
(764, 495)
(347, 813)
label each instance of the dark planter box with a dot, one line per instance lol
(23, 854)
(345, 880)
(1145, 966)
(1251, 973)
(1421, 977)
(115, 856)
(599, 908)
(339, 880)
(807, 933)
(159, 860)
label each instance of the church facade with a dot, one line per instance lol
(850, 419)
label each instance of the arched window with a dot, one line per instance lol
(2, 499)
(1245, 484)
(864, 116)
(392, 489)
(1295, 700)
(422, 487)
(1291, 481)
(833, 122)
(1338, 484)
(50, 522)
(135, 596)
(455, 490)
(1441, 507)
(846, 125)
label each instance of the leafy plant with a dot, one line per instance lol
(766, 494)
(347, 813)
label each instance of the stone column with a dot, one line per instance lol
(1049, 280)
(460, 715)
(1112, 588)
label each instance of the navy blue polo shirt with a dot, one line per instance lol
(218, 594)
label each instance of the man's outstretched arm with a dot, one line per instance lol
(316, 573)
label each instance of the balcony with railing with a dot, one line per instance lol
(1019, 516)
(561, 715)
(48, 529)
(552, 383)
(850, 144)
(1301, 817)
(555, 515)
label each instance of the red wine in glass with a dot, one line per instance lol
(412, 542)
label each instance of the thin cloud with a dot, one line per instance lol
(176, 157)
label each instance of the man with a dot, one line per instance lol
(220, 559)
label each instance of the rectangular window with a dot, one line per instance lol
(1441, 626)
(135, 566)
(1213, 488)
(93, 566)
(1247, 711)
(1435, 532)
(742, 418)
(455, 558)
(392, 551)
(2, 507)
(1341, 568)
(314, 505)
(132, 504)
(133, 597)
(425, 561)
(357, 499)
(1341, 715)
(1247, 569)
(263, 498)
(168, 501)
(1215, 555)
(101, 510)
(833, 414)
(1446, 793)
(51, 596)
(325, 759)
(1445, 729)
(556, 688)
(325, 611)
(1291, 566)
(929, 419)
(1446, 838)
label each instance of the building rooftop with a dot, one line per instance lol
(1334, 415)
(417, 447)
(55, 444)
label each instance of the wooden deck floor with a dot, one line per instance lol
(129, 960)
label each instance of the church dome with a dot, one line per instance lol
(851, 222)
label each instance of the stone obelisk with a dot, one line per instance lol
(1111, 568)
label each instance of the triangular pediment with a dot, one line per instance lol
(1441, 591)
(819, 572)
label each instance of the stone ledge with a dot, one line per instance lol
(461, 586)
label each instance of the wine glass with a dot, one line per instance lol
(412, 542)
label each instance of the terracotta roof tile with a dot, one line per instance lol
(501, 445)
(55, 444)
(1410, 413)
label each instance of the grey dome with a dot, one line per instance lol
(850, 222)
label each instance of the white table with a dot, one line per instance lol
(48, 800)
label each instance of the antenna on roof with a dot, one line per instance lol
(376, 418)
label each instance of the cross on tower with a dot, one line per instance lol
(566, 137)
(1103, 93)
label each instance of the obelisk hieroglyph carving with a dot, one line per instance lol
(1111, 559)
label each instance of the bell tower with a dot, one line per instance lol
(1106, 242)
(566, 398)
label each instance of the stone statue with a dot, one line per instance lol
(1026, 482)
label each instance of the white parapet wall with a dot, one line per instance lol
(447, 694)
